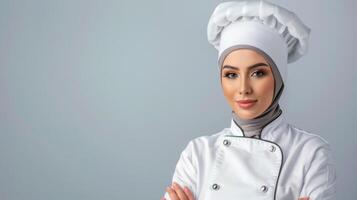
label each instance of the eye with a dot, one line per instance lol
(230, 75)
(259, 73)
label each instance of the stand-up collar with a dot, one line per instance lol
(236, 130)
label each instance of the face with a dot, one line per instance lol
(247, 76)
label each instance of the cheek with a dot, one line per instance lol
(228, 88)
(265, 88)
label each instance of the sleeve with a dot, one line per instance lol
(185, 172)
(320, 177)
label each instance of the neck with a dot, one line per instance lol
(253, 127)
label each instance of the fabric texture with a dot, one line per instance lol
(305, 169)
(284, 22)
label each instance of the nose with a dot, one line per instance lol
(245, 86)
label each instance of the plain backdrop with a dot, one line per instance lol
(99, 98)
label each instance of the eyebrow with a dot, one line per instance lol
(249, 67)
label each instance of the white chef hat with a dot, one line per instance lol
(276, 31)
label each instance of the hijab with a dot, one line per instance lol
(253, 127)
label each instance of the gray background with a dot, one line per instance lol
(98, 98)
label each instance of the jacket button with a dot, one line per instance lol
(226, 142)
(215, 186)
(272, 148)
(264, 188)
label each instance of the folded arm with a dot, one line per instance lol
(320, 177)
(185, 173)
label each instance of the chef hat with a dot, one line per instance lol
(276, 31)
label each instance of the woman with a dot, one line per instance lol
(261, 156)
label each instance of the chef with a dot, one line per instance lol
(261, 155)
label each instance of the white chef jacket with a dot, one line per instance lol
(286, 163)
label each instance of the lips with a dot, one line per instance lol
(246, 103)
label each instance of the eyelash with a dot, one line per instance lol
(227, 74)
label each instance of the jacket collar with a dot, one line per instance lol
(236, 130)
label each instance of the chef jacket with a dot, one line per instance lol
(284, 163)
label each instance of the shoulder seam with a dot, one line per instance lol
(310, 134)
